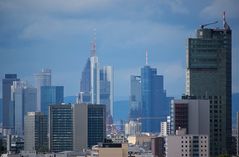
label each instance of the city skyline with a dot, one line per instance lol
(35, 42)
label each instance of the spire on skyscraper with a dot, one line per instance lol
(93, 45)
(146, 57)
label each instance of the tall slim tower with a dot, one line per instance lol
(42, 79)
(90, 81)
(106, 89)
(23, 98)
(135, 97)
(208, 76)
(7, 105)
(148, 98)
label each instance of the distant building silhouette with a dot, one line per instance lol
(8, 108)
(43, 78)
(24, 99)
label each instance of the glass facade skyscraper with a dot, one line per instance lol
(23, 98)
(60, 128)
(90, 81)
(106, 90)
(208, 76)
(8, 109)
(51, 95)
(148, 100)
(153, 99)
(43, 78)
(96, 124)
(135, 97)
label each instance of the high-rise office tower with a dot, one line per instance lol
(90, 81)
(23, 98)
(51, 95)
(106, 90)
(35, 132)
(8, 109)
(153, 99)
(89, 125)
(135, 97)
(60, 128)
(208, 76)
(43, 78)
(151, 104)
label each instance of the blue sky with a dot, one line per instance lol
(56, 34)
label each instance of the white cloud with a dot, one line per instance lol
(217, 7)
(176, 6)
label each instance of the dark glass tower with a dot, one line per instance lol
(208, 76)
(60, 128)
(96, 124)
(8, 108)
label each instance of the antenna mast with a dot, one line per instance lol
(93, 46)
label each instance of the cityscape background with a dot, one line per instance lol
(57, 35)
(102, 71)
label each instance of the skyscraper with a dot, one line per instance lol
(23, 98)
(106, 89)
(89, 125)
(60, 128)
(135, 97)
(90, 81)
(42, 79)
(35, 132)
(153, 99)
(8, 115)
(208, 76)
(148, 101)
(51, 95)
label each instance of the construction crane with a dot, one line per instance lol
(202, 26)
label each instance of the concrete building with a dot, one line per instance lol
(8, 108)
(60, 129)
(35, 132)
(89, 125)
(209, 76)
(107, 149)
(191, 114)
(51, 95)
(164, 129)
(182, 145)
(43, 78)
(133, 128)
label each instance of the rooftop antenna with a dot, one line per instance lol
(93, 46)
(146, 57)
